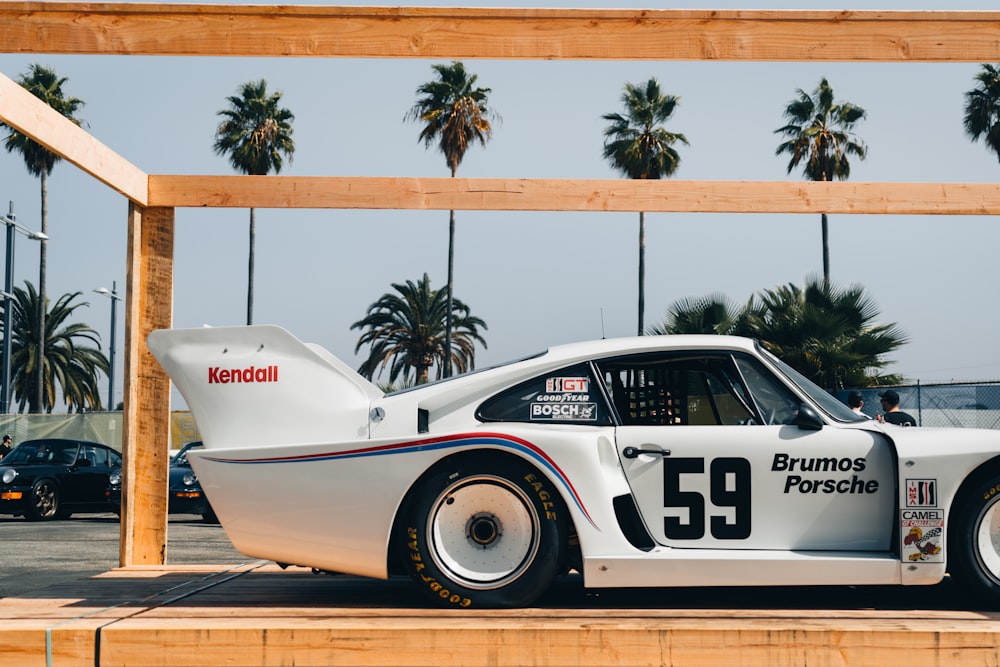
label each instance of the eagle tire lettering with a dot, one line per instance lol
(489, 532)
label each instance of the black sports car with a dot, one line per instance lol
(52, 478)
(185, 495)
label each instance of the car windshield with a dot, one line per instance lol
(181, 459)
(826, 401)
(41, 452)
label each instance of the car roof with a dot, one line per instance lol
(466, 386)
(74, 441)
(639, 344)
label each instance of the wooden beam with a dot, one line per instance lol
(146, 429)
(32, 117)
(510, 33)
(523, 194)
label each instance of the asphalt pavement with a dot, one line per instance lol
(39, 554)
(36, 555)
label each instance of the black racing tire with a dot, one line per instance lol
(974, 542)
(43, 501)
(483, 532)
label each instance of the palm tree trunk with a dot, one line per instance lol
(451, 283)
(39, 402)
(253, 244)
(826, 251)
(642, 267)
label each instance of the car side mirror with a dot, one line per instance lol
(84, 463)
(808, 419)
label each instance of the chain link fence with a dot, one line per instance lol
(103, 427)
(961, 404)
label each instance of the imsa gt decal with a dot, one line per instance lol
(921, 493)
(566, 399)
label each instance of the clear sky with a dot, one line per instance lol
(537, 279)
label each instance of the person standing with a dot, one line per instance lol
(893, 415)
(6, 446)
(856, 401)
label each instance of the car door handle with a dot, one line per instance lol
(633, 452)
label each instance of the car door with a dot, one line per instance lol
(711, 449)
(90, 475)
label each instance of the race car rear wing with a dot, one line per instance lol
(259, 386)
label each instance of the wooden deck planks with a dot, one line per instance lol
(256, 614)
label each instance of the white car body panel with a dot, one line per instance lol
(313, 466)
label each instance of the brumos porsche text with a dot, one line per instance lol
(219, 375)
(810, 484)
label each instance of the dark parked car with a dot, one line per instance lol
(52, 478)
(185, 493)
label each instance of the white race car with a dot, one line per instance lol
(641, 462)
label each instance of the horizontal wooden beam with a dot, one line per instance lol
(32, 117)
(523, 194)
(502, 33)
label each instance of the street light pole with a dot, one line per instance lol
(113, 295)
(12, 226)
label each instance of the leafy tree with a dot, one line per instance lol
(46, 85)
(455, 113)
(819, 136)
(68, 361)
(255, 134)
(406, 331)
(638, 146)
(828, 334)
(982, 109)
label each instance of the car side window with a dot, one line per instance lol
(65, 455)
(98, 456)
(566, 396)
(776, 402)
(115, 459)
(670, 389)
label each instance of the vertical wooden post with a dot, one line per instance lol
(146, 427)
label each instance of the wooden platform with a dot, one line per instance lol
(257, 614)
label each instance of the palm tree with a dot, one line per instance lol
(819, 133)
(715, 314)
(828, 334)
(255, 134)
(454, 112)
(67, 360)
(407, 331)
(46, 85)
(639, 147)
(982, 109)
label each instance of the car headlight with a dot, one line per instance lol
(115, 478)
(190, 479)
(8, 475)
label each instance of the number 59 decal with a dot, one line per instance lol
(729, 484)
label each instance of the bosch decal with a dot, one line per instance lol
(852, 485)
(564, 411)
(921, 493)
(218, 375)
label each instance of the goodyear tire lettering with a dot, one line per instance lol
(486, 532)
